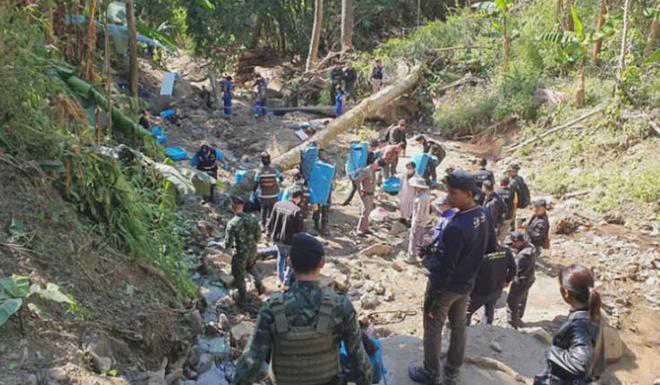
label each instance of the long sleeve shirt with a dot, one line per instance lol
(538, 229)
(421, 208)
(466, 240)
(302, 304)
(366, 178)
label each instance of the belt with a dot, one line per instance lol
(367, 193)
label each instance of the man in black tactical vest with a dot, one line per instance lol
(298, 331)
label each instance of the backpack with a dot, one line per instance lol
(524, 199)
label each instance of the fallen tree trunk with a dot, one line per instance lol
(354, 117)
(328, 111)
(555, 129)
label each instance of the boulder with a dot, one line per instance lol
(613, 344)
(379, 249)
(240, 334)
(397, 228)
(369, 302)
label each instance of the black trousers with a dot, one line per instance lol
(517, 302)
(488, 301)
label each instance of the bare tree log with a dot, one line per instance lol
(108, 72)
(87, 72)
(558, 128)
(354, 117)
(624, 38)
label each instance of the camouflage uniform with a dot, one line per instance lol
(302, 306)
(242, 235)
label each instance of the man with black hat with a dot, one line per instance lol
(466, 239)
(286, 219)
(496, 271)
(525, 257)
(242, 235)
(298, 331)
(435, 149)
(538, 226)
(267, 182)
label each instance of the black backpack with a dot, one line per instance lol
(524, 199)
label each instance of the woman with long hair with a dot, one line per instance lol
(577, 354)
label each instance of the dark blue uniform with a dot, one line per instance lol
(497, 270)
(227, 89)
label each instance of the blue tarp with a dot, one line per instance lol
(379, 371)
(320, 183)
(176, 153)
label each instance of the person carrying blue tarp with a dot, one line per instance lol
(340, 101)
(261, 88)
(227, 94)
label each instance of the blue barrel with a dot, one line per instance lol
(421, 162)
(357, 157)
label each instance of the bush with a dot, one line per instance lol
(470, 112)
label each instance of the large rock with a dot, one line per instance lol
(333, 277)
(240, 334)
(613, 344)
(380, 249)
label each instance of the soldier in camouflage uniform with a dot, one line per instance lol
(242, 235)
(298, 331)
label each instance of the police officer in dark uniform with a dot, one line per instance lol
(538, 226)
(496, 271)
(525, 257)
(267, 181)
(336, 80)
(298, 331)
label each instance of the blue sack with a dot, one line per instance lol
(156, 131)
(357, 157)
(308, 157)
(320, 183)
(168, 113)
(379, 371)
(176, 153)
(392, 185)
(162, 139)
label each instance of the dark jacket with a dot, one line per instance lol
(507, 197)
(337, 75)
(496, 271)
(350, 75)
(526, 265)
(497, 208)
(577, 355)
(468, 237)
(377, 73)
(482, 175)
(396, 136)
(538, 230)
(434, 148)
(286, 220)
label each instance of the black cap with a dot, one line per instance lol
(461, 180)
(419, 137)
(513, 167)
(540, 203)
(306, 252)
(517, 236)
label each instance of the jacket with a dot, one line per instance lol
(396, 136)
(577, 355)
(498, 269)
(507, 197)
(538, 230)
(468, 237)
(286, 220)
(482, 175)
(267, 180)
(526, 265)
(497, 208)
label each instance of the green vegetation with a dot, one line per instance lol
(15, 291)
(45, 120)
